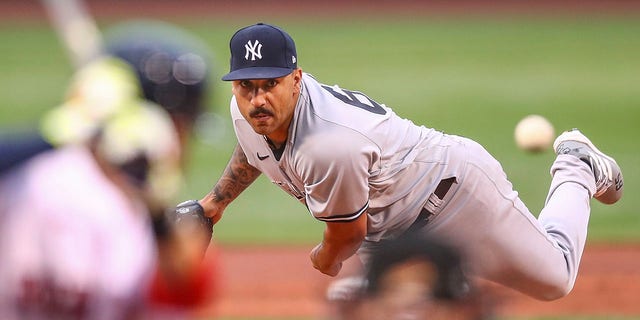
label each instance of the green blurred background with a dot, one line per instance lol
(475, 76)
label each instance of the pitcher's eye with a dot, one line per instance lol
(272, 83)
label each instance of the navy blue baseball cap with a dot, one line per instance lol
(261, 51)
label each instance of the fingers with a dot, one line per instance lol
(333, 270)
(320, 265)
(210, 210)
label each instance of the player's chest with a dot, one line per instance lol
(281, 173)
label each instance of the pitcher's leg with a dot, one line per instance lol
(565, 216)
(504, 242)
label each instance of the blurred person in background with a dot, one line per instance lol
(84, 232)
(173, 71)
(414, 277)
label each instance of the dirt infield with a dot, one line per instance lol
(280, 282)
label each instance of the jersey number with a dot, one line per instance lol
(355, 99)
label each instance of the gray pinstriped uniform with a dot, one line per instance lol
(347, 155)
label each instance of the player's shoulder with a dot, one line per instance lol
(337, 100)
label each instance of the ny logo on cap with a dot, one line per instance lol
(255, 49)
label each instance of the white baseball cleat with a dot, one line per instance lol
(606, 171)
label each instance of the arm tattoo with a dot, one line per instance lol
(237, 176)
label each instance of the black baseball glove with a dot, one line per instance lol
(191, 212)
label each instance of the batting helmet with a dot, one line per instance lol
(171, 64)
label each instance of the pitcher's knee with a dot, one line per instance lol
(555, 294)
(551, 292)
(547, 288)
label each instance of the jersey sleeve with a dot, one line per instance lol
(244, 132)
(335, 170)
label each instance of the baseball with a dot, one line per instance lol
(534, 133)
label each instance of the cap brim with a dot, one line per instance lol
(257, 73)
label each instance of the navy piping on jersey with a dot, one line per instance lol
(345, 217)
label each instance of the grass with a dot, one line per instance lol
(474, 77)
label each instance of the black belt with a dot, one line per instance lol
(423, 218)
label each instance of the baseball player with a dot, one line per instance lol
(83, 233)
(371, 175)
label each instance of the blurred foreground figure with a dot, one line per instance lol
(413, 277)
(84, 232)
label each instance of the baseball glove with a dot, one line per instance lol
(191, 213)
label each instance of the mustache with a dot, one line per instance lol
(260, 110)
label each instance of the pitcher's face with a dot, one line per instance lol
(268, 104)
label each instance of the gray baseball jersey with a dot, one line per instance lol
(347, 154)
